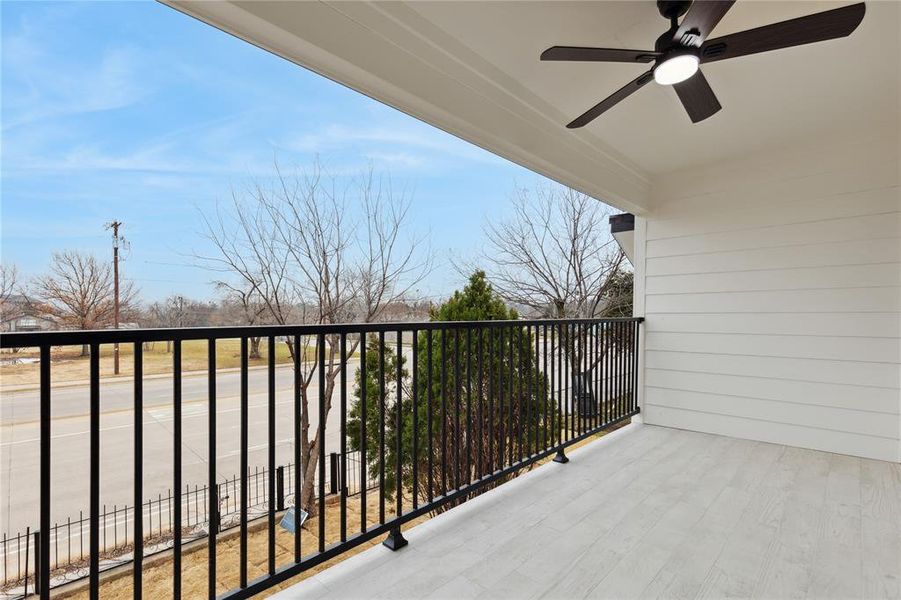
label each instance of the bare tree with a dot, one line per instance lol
(9, 283)
(10, 308)
(178, 311)
(555, 255)
(316, 251)
(243, 305)
(79, 291)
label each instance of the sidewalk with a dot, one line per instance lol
(30, 387)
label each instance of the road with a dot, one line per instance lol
(19, 439)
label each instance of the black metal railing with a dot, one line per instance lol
(439, 412)
(67, 539)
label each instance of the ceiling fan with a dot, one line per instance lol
(684, 46)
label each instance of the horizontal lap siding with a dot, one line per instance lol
(775, 432)
(772, 295)
(855, 349)
(778, 367)
(869, 398)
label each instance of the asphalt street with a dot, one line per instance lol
(70, 439)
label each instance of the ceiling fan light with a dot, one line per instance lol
(676, 69)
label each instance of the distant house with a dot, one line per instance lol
(20, 313)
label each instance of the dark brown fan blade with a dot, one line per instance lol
(595, 111)
(576, 53)
(702, 17)
(818, 27)
(698, 99)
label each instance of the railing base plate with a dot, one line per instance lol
(395, 540)
(561, 457)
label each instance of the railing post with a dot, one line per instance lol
(280, 488)
(216, 516)
(395, 540)
(42, 555)
(561, 456)
(333, 473)
(37, 565)
(18, 547)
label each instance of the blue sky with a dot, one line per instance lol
(132, 111)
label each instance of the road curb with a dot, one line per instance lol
(33, 387)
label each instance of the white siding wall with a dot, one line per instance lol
(771, 288)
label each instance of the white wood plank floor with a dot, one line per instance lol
(651, 512)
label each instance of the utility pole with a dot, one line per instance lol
(115, 225)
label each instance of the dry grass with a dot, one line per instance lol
(69, 365)
(157, 580)
(158, 577)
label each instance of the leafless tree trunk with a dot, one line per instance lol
(316, 251)
(79, 292)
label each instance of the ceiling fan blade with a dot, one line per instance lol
(698, 99)
(576, 53)
(818, 27)
(702, 17)
(610, 101)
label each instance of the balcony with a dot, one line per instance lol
(391, 423)
(765, 244)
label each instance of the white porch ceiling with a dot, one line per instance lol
(472, 69)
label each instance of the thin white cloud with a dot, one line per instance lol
(410, 135)
(402, 159)
(220, 146)
(54, 90)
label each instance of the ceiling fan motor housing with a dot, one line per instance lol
(673, 9)
(690, 39)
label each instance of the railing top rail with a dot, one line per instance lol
(111, 336)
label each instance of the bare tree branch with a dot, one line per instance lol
(555, 254)
(79, 291)
(296, 248)
(9, 285)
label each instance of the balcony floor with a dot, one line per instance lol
(653, 512)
